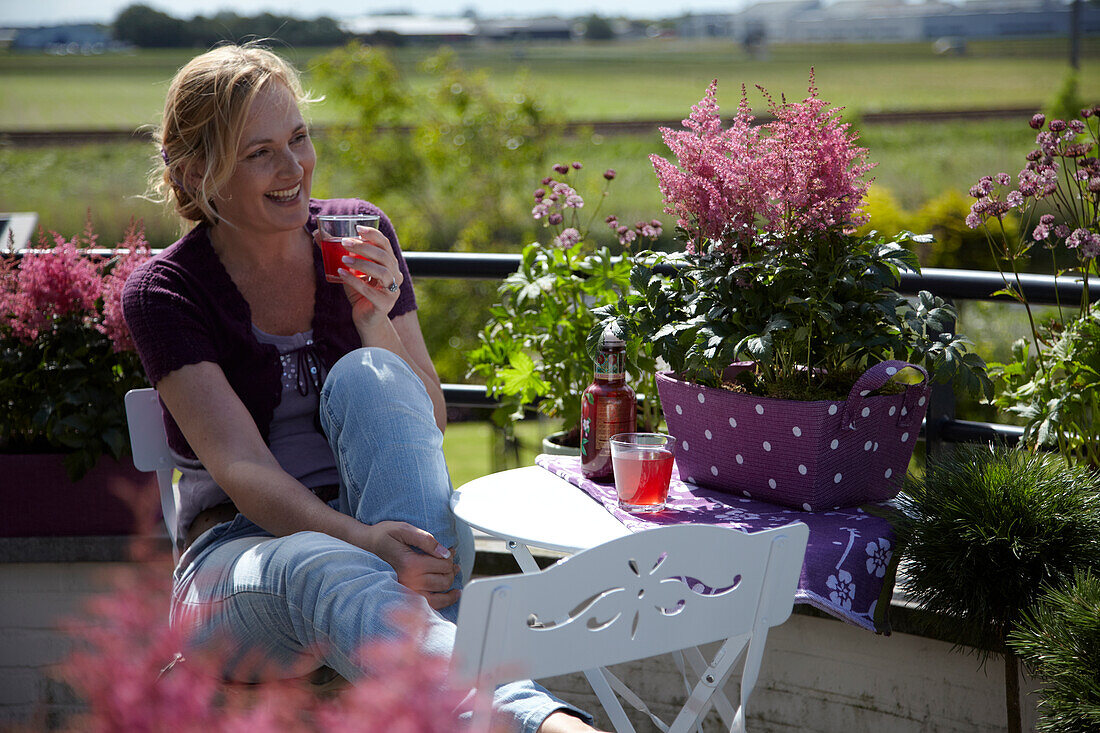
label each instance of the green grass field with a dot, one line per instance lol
(624, 80)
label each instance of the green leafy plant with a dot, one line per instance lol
(984, 530)
(534, 350)
(772, 271)
(1059, 640)
(1053, 382)
(66, 358)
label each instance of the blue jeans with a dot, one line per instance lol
(281, 606)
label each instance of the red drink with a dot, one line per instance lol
(333, 254)
(641, 479)
(333, 229)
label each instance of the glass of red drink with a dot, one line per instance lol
(334, 228)
(642, 463)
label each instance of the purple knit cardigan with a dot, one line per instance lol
(182, 308)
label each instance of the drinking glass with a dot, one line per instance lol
(642, 463)
(334, 228)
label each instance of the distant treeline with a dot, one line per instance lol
(147, 27)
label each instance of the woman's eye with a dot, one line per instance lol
(300, 137)
(257, 154)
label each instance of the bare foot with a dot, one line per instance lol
(559, 722)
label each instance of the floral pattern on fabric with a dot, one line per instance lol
(834, 579)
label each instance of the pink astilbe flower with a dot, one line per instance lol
(797, 175)
(48, 286)
(114, 325)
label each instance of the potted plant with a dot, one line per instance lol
(774, 282)
(1053, 379)
(983, 532)
(1058, 639)
(66, 361)
(533, 348)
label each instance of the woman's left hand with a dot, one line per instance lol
(374, 291)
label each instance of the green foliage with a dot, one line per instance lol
(1052, 383)
(1061, 403)
(146, 27)
(596, 28)
(536, 347)
(985, 529)
(1067, 102)
(800, 313)
(950, 242)
(64, 392)
(1059, 640)
(442, 159)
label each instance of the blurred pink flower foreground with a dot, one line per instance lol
(743, 186)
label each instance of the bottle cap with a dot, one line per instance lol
(611, 340)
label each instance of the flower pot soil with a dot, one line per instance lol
(805, 455)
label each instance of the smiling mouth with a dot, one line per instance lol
(285, 195)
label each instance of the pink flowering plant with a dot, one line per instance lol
(772, 270)
(533, 348)
(66, 357)
(1053, 380)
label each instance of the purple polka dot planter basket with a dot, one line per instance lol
(805, 455)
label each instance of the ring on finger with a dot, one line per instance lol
(393, 288)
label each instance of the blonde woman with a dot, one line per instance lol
(307, 416)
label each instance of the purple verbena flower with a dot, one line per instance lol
(567, 238)
(1037, 121)
(609, 174)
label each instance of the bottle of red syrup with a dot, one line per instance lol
(607, 407)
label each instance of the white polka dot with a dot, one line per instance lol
(759, 409)
(679, 410)
(865, 411)
(771, 482)
(685, 444)
(904, 437)
(797, 431)
(767, 446)
(875, 448)
(891, 371)
(889, 472)
(714, 470)
(864, 392)
(834, 444)
(708, 434)
(733, 423)
(740, 460)
(921, 401)
(904, 411)
(801, 469)
(747, 494)
(807, 507)
(867, 445)
(702, 399)
(893, 409)
(832, 409)
(836, 479)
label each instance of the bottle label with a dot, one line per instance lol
(604, 412)
(611, 364)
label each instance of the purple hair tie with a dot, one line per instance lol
(164, 155)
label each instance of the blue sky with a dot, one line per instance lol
(48, 12)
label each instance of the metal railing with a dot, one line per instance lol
(940, 424)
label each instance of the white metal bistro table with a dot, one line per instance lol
(531, 507)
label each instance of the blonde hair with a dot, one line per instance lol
(205, 111)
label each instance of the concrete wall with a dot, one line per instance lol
(819, 675)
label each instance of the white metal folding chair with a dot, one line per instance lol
(654, 592)
(149, 444)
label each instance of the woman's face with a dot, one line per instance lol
(268, 191)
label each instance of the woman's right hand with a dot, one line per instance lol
(423, 565)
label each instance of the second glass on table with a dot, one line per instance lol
(333, 229)
(642, 463)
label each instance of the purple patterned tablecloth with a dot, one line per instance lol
(847, 571)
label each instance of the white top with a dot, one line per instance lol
(532, 506)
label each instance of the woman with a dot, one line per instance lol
(306, 416)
